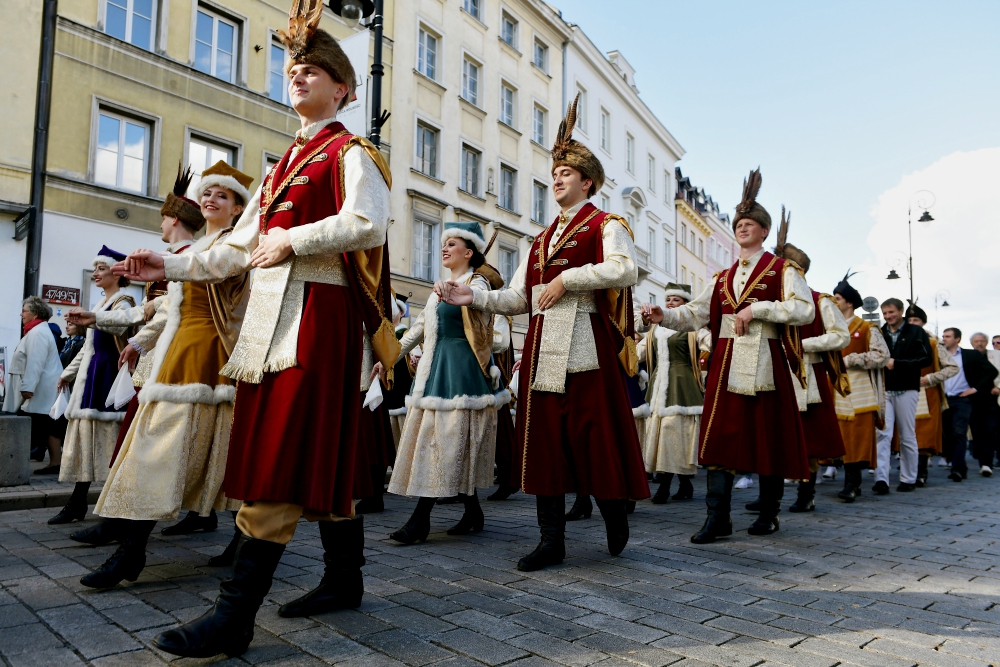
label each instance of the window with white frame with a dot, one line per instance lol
(215, 45)
(470, 82)
(508, 188)
(651, 244)
(270, 161)
(581, 110)
(427, 150)
(202, 154)
(508, 29)
(651, 176)
(508, 263)
(277, 81)
(472, 6)
(652, 298)
(427, 53)
(711, 249)
(605, 130)
(539, 199)
(540, 55)
(131, 21)
(684, 275)
(425, 249)
(666, 187)
(629, 153)
(538, 125)
(508, 104)
(691, 241)
(701, 249)
(684, 234)
(668, 253)
(605, 203)
(631, 220)
(121, 152)
(470, 169)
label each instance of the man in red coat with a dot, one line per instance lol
(316, 233)
(574, 417)
(751, 420)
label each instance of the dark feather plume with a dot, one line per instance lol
(565, 134)
(849, 275)
(751, 186)
(779, 249)
(490, 244)
(303, 19)
(183, 180)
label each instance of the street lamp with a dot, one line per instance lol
(352, 11)
(925, 217)
(940, 299)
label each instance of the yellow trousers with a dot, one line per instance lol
(276, 522)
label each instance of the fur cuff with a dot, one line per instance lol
(641, 412)
(676, 410)
(158, 392)
(459, 402)
(397, 412)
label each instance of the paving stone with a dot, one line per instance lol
(413, 621)
(138, 616)
(756, 630)
(684, 628)
(551, 625)
(22, 638)
(488, 625)
(854, 656)
(45, 658)
(326, 644)
(479, 647)
(405, 647)
(15, 614)
(558, 650)
(616, 626)
(921, 655)
(630, 651)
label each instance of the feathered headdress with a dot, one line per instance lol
(748, 206)
(787, 250)
(177, 205)
(569, 152)
(846, 290)
(308, 44)
(916, 311)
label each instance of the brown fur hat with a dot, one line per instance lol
(177, 205)
(748, 206)
(308, 44)
(571, 153)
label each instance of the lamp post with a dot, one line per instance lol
(352, 11)
(940, 299)
(924, 217)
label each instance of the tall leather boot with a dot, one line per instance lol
(718, 500)
(852, 482)
(582, 508)
(105, 532)
(342, 586)
(193, 523)
(127, 562)
(228, 626)
(805, 502)
(615, 513)
(551, 550)
(472, 520)
(76, 508)
(419, 524)
(922, 469)
(662, 495)
(373, 504)
(228, 556)
(686, 489)
(772, 488)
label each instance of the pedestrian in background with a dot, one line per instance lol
(965, 392)
(985, 422)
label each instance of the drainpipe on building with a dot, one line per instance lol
(40, 147)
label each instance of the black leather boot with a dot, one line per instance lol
(582, 508)
(718, 500)
(662, 495)
(342, 586)
(472, 519)
(503, 492)
(852, 482)
(228, 626)
(686, 490)
(373, 504)
(76, 508)
(615, 513)
(772, 488)
(922, 470)
(228, 556)
(805, 502)
(754, 505)
(419, 525)
(127, 562)
(551, 550)
(105, 532)
(193, 523)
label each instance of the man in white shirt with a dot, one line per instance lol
(965, 392)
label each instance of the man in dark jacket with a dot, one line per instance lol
(910, 351)
(967, 392)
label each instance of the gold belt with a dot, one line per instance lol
(767, 329)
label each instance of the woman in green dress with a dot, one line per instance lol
(675, 394)
(449, 438)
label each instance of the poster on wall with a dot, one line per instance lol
(355, 115)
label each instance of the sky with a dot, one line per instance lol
(849, 108)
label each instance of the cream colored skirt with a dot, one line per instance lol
(671, 444)
(87, 450)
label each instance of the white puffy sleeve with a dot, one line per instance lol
(618, 270)
(694, 314)
(836, 337)
(797, 308)
(509, 301)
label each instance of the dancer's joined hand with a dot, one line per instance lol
(273, 248)
(142, 265)
(552, 293)
(456, 294)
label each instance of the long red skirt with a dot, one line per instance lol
(376, 449)
(133, 407)
(295, 435)
(820, 423)
(583, 440)
(762, 433)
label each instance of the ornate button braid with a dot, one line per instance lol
(300, 180)
(283, 206)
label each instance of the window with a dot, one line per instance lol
(711, 249)
(631, 220)
(605, 203)
(130, 21)
(540, 56)
(581, 110)
(472, 6)
(666, 187)
(202, 154)
(684, 234)
(629, 153)
(269, 162)
(507, 102)
(470, 82)
(470, 170)
(651, 244)
(539, 198)
(425, 250)
(701, 249)
(691, 241)
(508, 188)
(508, 263)
(684, 274)
(605, 130)
(652, 298)
(668, 252)
(427, 51)
(538, 125)
(508, 29)
(427, 145)
(651, 178)
(215, 46)
(122, 152)
(277, 82)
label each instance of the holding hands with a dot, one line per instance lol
(141, 265)
(81, 317)
(651, 313)
(453, 293)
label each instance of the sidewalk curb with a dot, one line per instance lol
(14, 501)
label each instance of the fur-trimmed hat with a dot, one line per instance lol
(177, 205)
(108, 257)
(916, 311)
(748, 206)
(678, 289)
(571, 153)
(787, 250)
(308, 44)
(470, 231)
(228, 177)
(846, 290)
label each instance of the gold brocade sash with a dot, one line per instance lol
(557, 338)
(752, 368)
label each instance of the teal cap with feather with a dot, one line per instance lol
(470, 231)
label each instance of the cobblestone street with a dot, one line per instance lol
(899, 580)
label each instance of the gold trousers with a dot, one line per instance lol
(276, 522)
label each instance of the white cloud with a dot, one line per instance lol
(958, 253)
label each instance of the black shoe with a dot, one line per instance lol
(545, 554)
(503, 492)
(718, 501)
(852, 483)
(582, 508)
(921, 482)
(342, 586)
(905, 487)
(418, 526)
(370, 505)
(686, 490)
(955, 477)
(128, 561)
(753, 505)
(105, 532)
(193, 523)
(806, 493)
(662, 495)
(228, 556)
(228, 626)
(880, 488)
(615, 513)
(764, 526)
(472, 520)
(451, 500)
(551, 550)
(965, 474)
(802, 506)
(69, 514)
(714, 527)
(849, 494)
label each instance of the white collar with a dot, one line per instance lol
(753, 259)
(312, 129)
(573, 210)
(177, 245)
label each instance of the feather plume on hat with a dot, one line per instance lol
(787, 250)
(567, 151)
(308, 44)
(846, 290)
(177, 205)
(748, 206)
